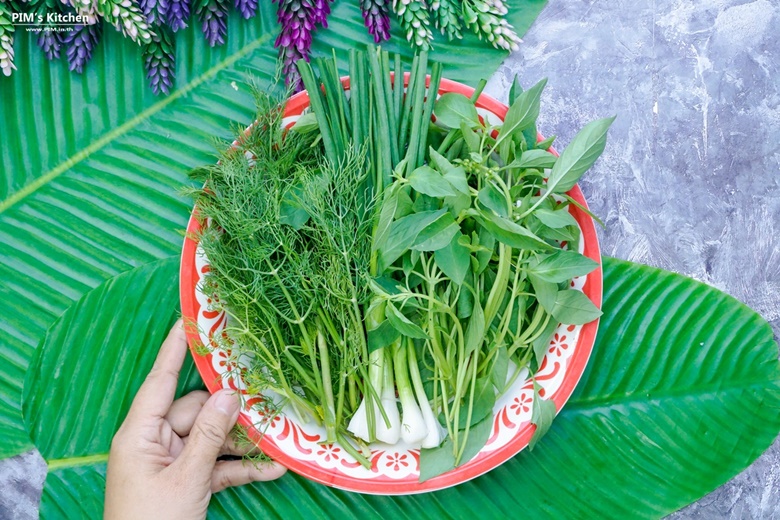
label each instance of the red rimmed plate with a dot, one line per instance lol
(297, 444)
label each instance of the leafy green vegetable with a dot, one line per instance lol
(542, 415)
(358, 263)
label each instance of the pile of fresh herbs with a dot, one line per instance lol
(390, 277)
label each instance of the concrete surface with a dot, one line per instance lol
(690, 181)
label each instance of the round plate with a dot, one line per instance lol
(298, 444)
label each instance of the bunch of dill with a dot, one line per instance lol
(287, 234)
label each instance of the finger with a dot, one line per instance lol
(239, 446)
(183, 411)
(209, 433)
(156, 393)
(238, 472)
(232, 446)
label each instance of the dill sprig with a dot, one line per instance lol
(288, 238)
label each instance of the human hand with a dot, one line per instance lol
(163, 460)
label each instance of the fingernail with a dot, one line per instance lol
(226, 401)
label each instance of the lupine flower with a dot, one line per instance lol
(485, 18)
(178, 14)
(298, 19)
(159, 62)
(446, 18)
(127, 18)
(80, 43)
(155, 11)
(6, 41)
(86, 8)
(375, 14)
(320, 12)
(247, 8)
(51, 43)
(213, 17)
(415, 21)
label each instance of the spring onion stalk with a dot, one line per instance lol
(413, 425)
(388, 430)
(433, 430)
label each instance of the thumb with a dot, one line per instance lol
(209, 432)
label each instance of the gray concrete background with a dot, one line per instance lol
(690, 181)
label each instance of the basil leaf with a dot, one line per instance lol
(384, 285)
(562, 266)
(291, 210)
(488, 241)
(306, 123)
(515, 90)
(500, 370)
(435, 461)
(454, 259)
(540, 159)
(523, 112)
(430, 182)
(437, 234)
(455, 175)
(542, 342)
(546, 292)
(382, 336)
(580, 155)
(403, 324)
(574, 308)
(555, 219)
(492, 198)
(547, 143)
(386, 215)
(478, 437)
(403, 232)
(471, 138)
(511, 234)
(452, 108)
(405, 206)
(475, 330)
(542, 414)
(457, 204)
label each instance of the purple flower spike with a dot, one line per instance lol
(178, 14)
(51, 42)
(321, 10)
(81, 42)
(155, 11)
(247, 8)
(298, 18)
(376, 16)
(159, 62)
(213, 18)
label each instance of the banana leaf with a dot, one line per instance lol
(682, 392)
